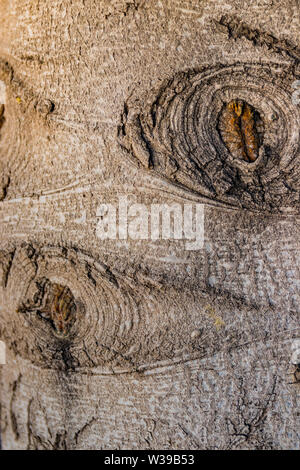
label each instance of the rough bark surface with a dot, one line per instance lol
(128, 344)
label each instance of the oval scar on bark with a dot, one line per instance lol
(240, 128)
(54, 303)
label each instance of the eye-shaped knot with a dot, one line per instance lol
(71, 308)
(229, 133)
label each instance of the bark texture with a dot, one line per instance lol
(132, 344)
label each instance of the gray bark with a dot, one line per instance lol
(130, 344)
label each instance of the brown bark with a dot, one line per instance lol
(143, 344)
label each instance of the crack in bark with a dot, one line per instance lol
(246, 429)
(84, 428)
(237, 29)
(13, 418)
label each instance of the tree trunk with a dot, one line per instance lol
(129, 343)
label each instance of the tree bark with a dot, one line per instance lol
(143, 344)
